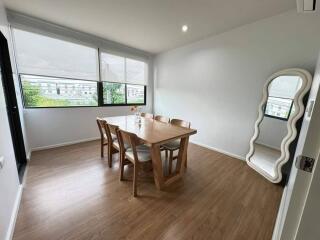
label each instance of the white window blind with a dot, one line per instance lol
(123, 70)
(42, 55)
(112, 68)
(136, 71)
(285, 86)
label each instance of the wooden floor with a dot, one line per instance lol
(71, 193)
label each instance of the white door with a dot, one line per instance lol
(293, 217)
(309, 227)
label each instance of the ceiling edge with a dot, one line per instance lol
(39, 25)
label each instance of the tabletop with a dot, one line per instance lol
(149, 130)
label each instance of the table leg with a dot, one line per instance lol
(182, 156)
(180, 167)
(157, 166)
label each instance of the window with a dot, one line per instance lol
(281, 94)
(123, 94)
(59, 73)
(114, 93)
(278, 107)
(135, 94)
(124, 80)
(57, 92)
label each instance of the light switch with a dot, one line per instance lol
(1, 162)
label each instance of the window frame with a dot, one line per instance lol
(276, 117)
(100, 96)
(100, 102)
(144, 95)
(99, 81)
(62, 78)
(112, 104)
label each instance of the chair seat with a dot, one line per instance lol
(143, 152)
(173, 145)
(117, 145)
(114, 137)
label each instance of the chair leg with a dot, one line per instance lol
(135, 179)
(185, 163)
(122, 160)
(110, 155)
(166, 159)
(170, 161)
(102, 148)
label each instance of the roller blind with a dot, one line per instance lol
(42, 55)
(285, 86)
(123, 70)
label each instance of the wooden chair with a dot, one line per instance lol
(175, 144)
(113, 146)
(162, 119)
(107, 139)
(137, 153)
(146, 115)
(103, 135)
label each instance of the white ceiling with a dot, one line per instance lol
(151, 25)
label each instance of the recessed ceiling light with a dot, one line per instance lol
(184, 28)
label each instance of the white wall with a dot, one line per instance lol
(272, 132)
(216, 83)
(9, 182)
(54, 127)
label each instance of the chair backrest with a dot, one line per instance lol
(106, 129)
(112, 130)
(147, 115)
(162, 119)
(131, 139)
(102, 125)
(180, 123)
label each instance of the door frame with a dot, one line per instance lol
(308, 224)
(296, 190)
(12, 107)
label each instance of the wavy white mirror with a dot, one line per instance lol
(275, 129)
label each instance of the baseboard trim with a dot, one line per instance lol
(97, 138)
(14, 214)
(219, 150)
(269, 146)
(63, 144)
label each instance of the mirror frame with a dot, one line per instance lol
(291, 123)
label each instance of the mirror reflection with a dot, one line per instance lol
(273, 128)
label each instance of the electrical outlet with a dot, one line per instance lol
(1, 162)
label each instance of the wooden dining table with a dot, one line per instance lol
(155, 133)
